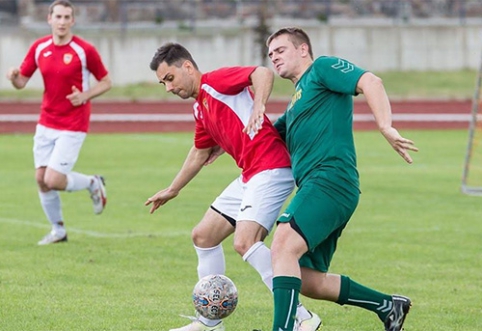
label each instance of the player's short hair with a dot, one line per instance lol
(173, 54)
(296, 35)
(65, 3)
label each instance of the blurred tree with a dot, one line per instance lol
(262, 31)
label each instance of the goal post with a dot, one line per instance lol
(472, 174)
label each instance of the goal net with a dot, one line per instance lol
(472, 175)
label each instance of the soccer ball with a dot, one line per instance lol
(215, 296)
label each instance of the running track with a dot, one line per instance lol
(170, 116)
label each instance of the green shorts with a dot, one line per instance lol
(320, 211)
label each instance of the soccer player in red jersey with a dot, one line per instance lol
(224, 103)
(65, 62)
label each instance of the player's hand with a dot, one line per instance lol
(215, 153)
(399, 144)
(255, 121)
(13, 73)
(76, 97)
(160, 198)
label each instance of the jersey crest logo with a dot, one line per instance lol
(205, 104)
(68, 58)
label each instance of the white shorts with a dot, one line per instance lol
(56, 149)
(259, 200)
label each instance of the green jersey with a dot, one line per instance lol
(317, 126)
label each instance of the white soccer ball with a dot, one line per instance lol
(215, 296)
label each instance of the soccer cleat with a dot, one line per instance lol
(53, 238)
(396, 317)
(197, 325)
(98, 194)
(311, 324)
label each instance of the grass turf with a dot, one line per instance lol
(413, 233)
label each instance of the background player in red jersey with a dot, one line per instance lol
(251, 203)
(65, 62)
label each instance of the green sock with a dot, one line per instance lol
(285, 295)
(354, 294)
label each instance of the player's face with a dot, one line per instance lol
(177, 80)
(61, 21)
(284, 56)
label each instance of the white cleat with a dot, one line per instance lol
(197, 325)
(311, 324)
(53, 238)
(98, 194)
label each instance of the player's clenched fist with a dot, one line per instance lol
(13, 73)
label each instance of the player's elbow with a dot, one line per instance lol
(107, 83)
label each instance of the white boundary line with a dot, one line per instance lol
(406, 117)
(95, 233)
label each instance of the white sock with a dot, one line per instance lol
(77, 181)
(52, 206)
(259, 256)
(210, 262)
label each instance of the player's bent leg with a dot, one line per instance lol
(211, 230)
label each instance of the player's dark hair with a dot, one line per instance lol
(172, 54)
(65, 3)
(296, 35)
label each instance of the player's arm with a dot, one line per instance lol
(18, 80)
(78, 98)
(372, 87)
(192, 165)
(262, 81)
(101, 87)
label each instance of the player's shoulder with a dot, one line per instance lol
(42, 40)
(328, 60)
(82, 42)
(227, 71)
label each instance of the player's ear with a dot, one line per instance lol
(188, 66)
(305, 49)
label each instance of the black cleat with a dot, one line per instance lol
(396, 317)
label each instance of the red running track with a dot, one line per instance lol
(171, 116)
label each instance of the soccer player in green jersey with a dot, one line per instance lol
(317, 128)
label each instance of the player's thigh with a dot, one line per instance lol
(212, 229)
(264, 196)
(43, 145)
(229, 201)
(66, 151)
(319, 216)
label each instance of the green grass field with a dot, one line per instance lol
(413, 233)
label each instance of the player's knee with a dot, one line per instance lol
(201, 238)
(241, 246)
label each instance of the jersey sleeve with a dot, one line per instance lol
(230, 80)
(29, 64)
(202, 139)
(95, 65)
(337, 75)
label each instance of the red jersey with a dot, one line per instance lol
(222, 110)
(63, 66)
